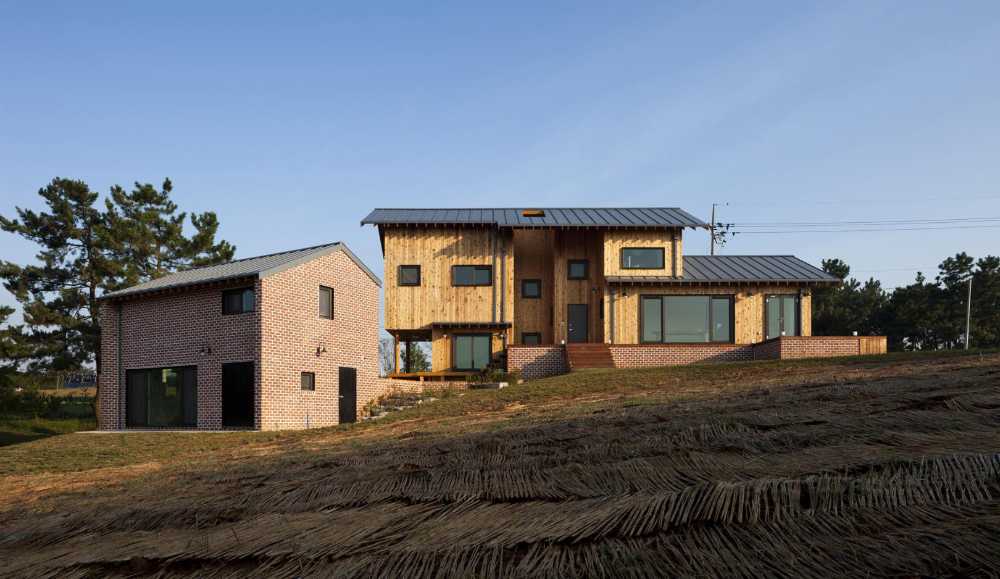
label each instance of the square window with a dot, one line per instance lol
(326, 302)
(531, 339)
(531, 288)
(409, 275)
(308, 381)
(577, 269)
(238, 301)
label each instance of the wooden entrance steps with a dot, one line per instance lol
(588, 356)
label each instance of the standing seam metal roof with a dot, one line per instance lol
(553, 217)
(739, 268)
(260, 266)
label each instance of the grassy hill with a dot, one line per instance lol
(816, 468)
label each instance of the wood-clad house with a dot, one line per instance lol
(476, 282)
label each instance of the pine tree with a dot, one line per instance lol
(9, 349)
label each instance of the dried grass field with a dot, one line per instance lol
(862, 467)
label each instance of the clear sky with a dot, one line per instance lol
(293, 121)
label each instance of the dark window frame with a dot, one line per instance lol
(524, 294)
(179, 370)
(241, 291)
(569, 269)
(399, 276)
(312, 381)
(781, 315)
(454, 347)
(526, 334)
(488, 268)
(663, 257)
(663, 318)
(333, 307)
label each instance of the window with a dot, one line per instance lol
(685, 319)
(308, 381)
(409, 275)
(642, 258)
(161, 397)
(237, 301)
(531, 338)
(531, 288)
(782, 315)
(577, 269)
(471, 275)
(472, 351)
(326, 302)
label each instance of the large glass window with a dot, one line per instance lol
(782, 315)
(471, 275)
(162, 397)
(237, 301)
(686, 319)
(642, 258)
(472, 351)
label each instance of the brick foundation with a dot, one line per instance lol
(652, 355)
(536, 361)
(795, 347)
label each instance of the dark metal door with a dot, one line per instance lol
(578, 322)
(238, 395)
(348, 384)
(135, 398)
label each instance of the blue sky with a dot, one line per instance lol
(292, 122)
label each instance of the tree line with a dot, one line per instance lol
(88, 246)
(924, 315)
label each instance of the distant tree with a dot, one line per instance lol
(9, 349)
(84, 252)
(849, 307)
(986, 303)
(386, 356)
(415, 358)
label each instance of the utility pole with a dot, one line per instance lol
(968, 313)
(711, 244)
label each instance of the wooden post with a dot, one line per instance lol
(406, 360)
(395, 354)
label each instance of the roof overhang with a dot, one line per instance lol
(680, 281)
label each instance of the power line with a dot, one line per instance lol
(869, 222)
(866, 230)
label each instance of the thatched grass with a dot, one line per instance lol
(863, 468)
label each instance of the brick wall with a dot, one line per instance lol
(652, 355)
(536, 361)
(182, 329)
(769, 350)
(296, 339)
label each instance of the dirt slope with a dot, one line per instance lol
(880, 469)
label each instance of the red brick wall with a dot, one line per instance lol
(652, 355)
(536, 361)
(293, 331)
(818, 346)
(769, 350)
(173, 330)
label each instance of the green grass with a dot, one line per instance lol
(14, 430)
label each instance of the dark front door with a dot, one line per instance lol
(348, 381)
(237, 395)
(578, 322)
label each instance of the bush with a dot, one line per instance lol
(33, 403)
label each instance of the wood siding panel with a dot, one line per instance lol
(616, 240)
(533, 260)
(570, 245)
(441, 350)
(748, 309)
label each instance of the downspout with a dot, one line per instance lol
(673, 251)
(122, 390)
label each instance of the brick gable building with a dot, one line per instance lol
(288, 340)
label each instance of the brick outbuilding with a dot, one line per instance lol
(287, 340)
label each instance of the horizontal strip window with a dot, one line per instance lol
(471, 275)
(531, 288)
(685, 319)
(643, 258)
(237, 301)
(409, 275)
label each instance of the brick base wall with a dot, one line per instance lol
(652, 355)
(536, 361)
(794, 347)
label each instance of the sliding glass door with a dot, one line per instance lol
(685, 319)
(782, 315)
(471, 351)
(162, 397)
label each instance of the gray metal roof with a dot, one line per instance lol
(260, 266)
(554, 217)
(739, 269)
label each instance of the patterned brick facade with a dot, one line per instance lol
(536, 361)
(793, 347)
(283, 337)
(644, 356)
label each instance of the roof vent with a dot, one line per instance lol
(533, 213)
